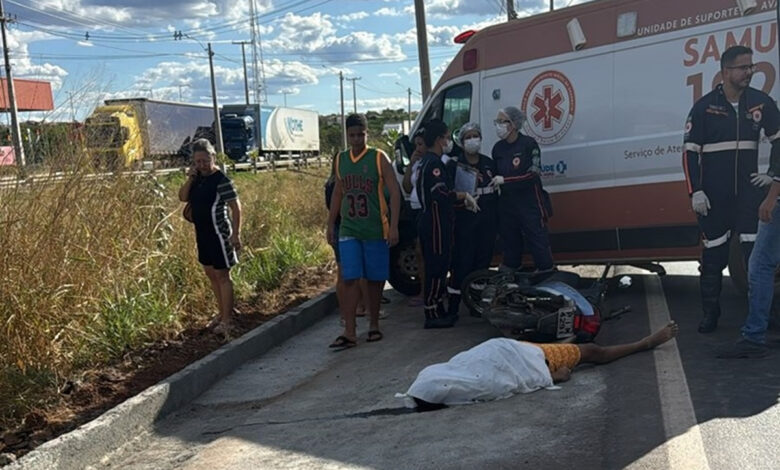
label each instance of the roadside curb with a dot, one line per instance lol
(89, 443)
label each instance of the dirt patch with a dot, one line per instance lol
(98, 390)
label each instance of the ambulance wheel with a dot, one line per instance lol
(404, 273)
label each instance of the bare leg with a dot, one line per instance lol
(226, 296)
(604, 354)
(340, 291)
(374, 297)
(351, 298)
(362, 306)
(211, 273)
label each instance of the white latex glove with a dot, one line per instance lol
(497, 180)
(760, 179)
(700, 203)
(471, 203)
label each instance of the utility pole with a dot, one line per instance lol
(354, 94)
(15, 129)
(552, 5)
(256, 76)
(285, 93)
(422, 48)
(510, 10)
(180, 87)
(72, 108)
(217, 122)
(253, 29)
(246, 79)
(343, 119)
(409, 97)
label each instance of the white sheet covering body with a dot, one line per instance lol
(495, 369)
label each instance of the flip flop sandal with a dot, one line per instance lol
(374, 336)
(341, 343)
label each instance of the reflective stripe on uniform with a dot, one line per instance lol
(774, 137)
(451, 290)
(732, 145)
(747, 237)
(718, 241)
(485, 190)
(690, 146)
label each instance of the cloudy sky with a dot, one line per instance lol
(95, 49)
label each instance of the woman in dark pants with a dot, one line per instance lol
(523, 205)
(475, 232)
(210, 193)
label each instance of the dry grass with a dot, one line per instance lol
(94, 269)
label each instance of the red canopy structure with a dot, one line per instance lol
(31, 95)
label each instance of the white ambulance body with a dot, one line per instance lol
(609, 117)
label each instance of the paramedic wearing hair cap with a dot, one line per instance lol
(475, 232)
(523, 206)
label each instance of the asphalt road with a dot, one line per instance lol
(302, 406)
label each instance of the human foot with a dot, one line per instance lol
(663, 335)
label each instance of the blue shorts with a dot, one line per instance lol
(364, 259)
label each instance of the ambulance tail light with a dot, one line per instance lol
(747, 6)
(470, 60)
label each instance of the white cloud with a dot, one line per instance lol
(411, 70)
(315, 36)
(385, 11)
(23, 67)
(392, 75)
(359, 15)
(378, 104)
(106, 14)
(289, 91)
(453, 8)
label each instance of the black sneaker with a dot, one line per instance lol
(743, 349)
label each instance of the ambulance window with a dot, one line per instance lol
(457, 105)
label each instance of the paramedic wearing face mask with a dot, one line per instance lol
(523, 206)
(475, 232)
(721, 170)
(435, 191)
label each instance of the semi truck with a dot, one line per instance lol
(283, 131)
(125, 132)
(606, 87)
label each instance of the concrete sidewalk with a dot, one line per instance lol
(303, 406)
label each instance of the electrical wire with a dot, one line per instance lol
(169, 36)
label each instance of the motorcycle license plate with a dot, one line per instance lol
(565, 324)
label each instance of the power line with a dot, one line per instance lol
(74, 15)
(192, 33)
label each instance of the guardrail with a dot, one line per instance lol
(256, 166)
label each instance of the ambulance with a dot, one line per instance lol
(606, 87)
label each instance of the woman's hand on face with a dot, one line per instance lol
(192, 172)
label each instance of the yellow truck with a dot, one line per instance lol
(127, 132)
